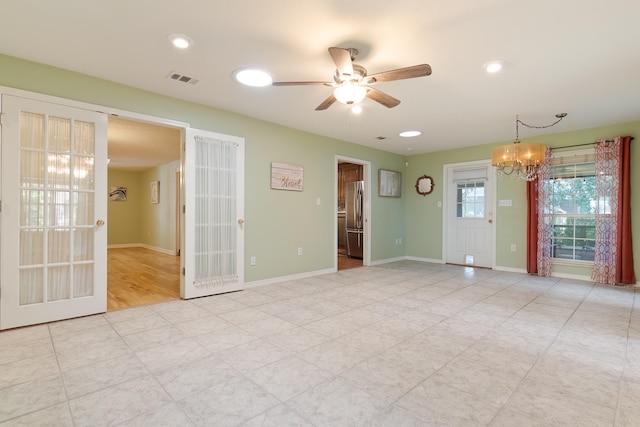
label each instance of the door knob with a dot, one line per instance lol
(240, 221)
(490, 221)
(100, 222)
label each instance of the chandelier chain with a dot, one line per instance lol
(560, 116)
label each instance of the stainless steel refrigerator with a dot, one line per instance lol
(355, 220)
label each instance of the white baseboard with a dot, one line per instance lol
(142, 245)
(431, 260)
(510, 269)
(572, 277)
(281, 279)
(387, 260)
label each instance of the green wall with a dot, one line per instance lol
(424, 219)
(137, 221)
(123, 217)
(278, 222)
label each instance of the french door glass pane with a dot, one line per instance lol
(83, 212)
(32, 169)
(31, 286)
(31, 208)
(32, 130)
(59, 134)
(59, 170)
(83, 173)
(58, 204)
(83, 244)
(83, 280)
(58, 283)
(58, 243)
(84, 138)
(31, 244)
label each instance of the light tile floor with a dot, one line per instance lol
(403, 344)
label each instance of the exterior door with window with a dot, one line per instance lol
(54, 195)
(213, 260)
(470, 216)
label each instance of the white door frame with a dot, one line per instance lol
(446, 168)
(366, 177)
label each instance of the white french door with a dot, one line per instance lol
(213, 260)
(54, 192)
(469, 214)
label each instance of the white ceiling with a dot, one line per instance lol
(137, 146)
(576, 56)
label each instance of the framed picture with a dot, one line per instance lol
(118, 194)
(155, 192)
(389, 183)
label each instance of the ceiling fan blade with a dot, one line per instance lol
(300, 83)
(342, 58)
(421, 70)
(326, 103)
(381, 97)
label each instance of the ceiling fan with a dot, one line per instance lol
(352, 84)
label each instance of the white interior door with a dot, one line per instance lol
(213, 259)
(53, 250)
(470, 214)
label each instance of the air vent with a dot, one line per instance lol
(381, 138)
(182, 78)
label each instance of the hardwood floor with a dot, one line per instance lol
(139, 276)
(345, 263)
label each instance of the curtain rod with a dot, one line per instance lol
(582, 145)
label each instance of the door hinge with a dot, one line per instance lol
(184, 271)
(1, 116)
(184, 208)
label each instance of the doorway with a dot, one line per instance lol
(468, 214)
(143, 262)
(353, 212)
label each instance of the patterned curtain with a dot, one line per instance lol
(545, 229)
(607, 183)
(613, 262)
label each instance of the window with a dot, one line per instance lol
(572, 208)
(470, 199)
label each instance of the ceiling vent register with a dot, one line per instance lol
(182, 78)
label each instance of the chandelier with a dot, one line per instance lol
(521, 160)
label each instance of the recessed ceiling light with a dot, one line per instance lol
(253, 77)
(180, 40)
(410, 133)
(493, 66)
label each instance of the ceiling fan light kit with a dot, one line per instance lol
(521, 160)
(352, 84)
(350, 93)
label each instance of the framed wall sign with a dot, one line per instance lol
(389, 183)
(287, 177)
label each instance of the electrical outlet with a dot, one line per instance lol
(253, 260)
(299, 251)
(318, 201)
(513, 247)
(400, 240)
